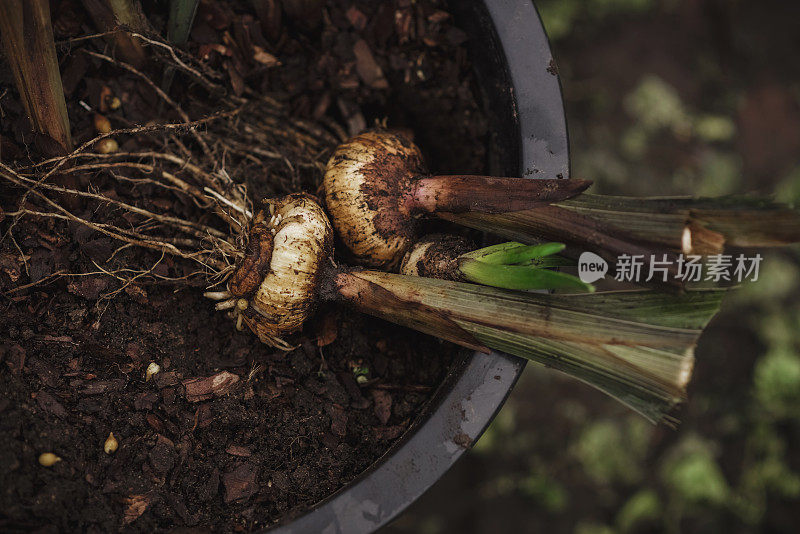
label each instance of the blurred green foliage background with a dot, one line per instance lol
(663, 97)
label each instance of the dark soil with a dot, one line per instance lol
(230, 435)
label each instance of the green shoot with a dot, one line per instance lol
(552, 261)
(521, 277)
(515, 253)
(517, 266)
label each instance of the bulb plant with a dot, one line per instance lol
(376, 189)
(636, 346)
(268, 264)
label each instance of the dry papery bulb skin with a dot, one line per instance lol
(436, 256)
(365, 184)
(273, 288)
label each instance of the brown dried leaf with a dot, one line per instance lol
(136, 293)
(9, 263)
(438, 16)
(96, 387)
(154, 422)
(237, 80)
(269, 13)
(404, 24)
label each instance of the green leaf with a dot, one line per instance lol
(520, 277)
(181, 18)
(637, 346)
(513, 253)
(611, 226)
(552, 261)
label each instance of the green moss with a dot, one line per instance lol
(644, 507)
(788, 190)
(592, 528)
(558, 17)
(656, 105)
(603, 8)
(777, 382)
(635, 142)
(613, 451)
(720, 174)
(545, 491)
(764, 472)
(693, 476)
(777, 278)
(714, 128)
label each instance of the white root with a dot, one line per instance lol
(241, 209)
(218, 295)
(225, 305)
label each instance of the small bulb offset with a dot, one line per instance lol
(48, 459)
(101, 124)
(152, 370)
(111, 444)
(106, 146)
(436, 256)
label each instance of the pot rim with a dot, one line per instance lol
(476, 387)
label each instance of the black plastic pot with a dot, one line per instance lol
(514, 66)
